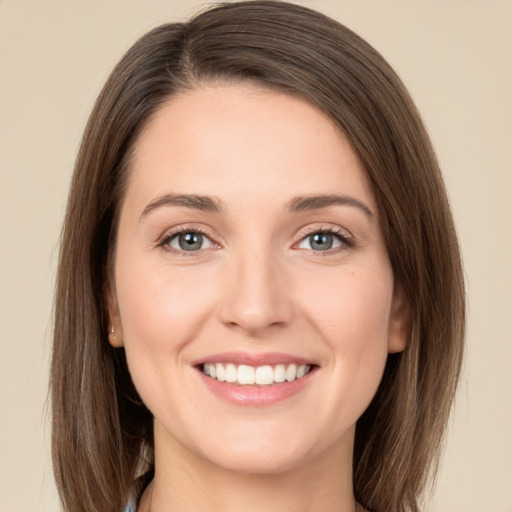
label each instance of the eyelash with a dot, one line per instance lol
(347, 242)
(164, 243)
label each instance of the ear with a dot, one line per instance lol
(398, 322)
(115, 334)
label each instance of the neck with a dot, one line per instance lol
(187, 483)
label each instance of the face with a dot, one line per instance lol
(253, 291)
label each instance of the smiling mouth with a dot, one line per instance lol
(266, 375)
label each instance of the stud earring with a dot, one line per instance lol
(112, 335)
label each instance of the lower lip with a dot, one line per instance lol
(255, 395)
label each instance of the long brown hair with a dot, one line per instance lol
(101, 430)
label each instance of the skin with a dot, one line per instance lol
(256, 286)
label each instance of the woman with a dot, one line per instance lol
(259, 302)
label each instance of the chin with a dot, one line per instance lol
(254, 453)
(258, 462)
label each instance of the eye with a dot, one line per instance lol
(322, 241)
(188, 241)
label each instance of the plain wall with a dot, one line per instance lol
(456, 58)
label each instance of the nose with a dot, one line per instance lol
(256, 297)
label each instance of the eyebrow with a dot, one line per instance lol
(297, 204)
(316, 202)
(193, 201)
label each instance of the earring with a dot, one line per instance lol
(112, 335)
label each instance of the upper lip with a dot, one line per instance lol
(251, 359)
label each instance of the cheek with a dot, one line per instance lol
(351, 305)
(159, 308)
(161, 312)
(351, 311)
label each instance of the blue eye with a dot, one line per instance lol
(321, 241)
(189, 241)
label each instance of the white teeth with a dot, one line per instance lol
(301, 371)
(261, 375)
(279, 373)
(231, 373)
(219, 370)
(245, 374)
(291, 372)
(264, 375)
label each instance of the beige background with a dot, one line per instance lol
(456, 58)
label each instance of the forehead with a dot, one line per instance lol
(243, 142)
